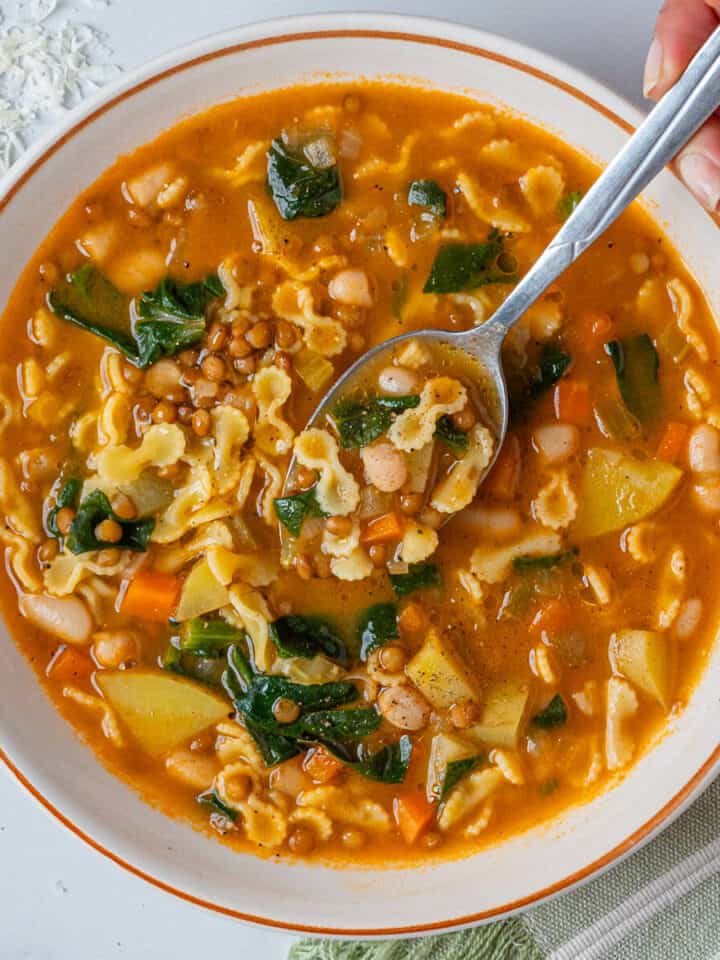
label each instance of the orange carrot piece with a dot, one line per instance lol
(556, 616)
(413, 814)
(673, 441)
(503, 480)
(596, 327)
(67, 663)
(151, 596)
(321, 765)
(382, 529)
(573, 402)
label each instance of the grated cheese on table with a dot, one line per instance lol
(49, 61)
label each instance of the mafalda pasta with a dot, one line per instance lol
(376, 658)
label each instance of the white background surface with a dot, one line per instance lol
(59, 900)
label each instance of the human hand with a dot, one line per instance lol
(681, 29)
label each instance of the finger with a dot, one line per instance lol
(698, 163)
(681, 29)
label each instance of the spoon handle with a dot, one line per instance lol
(683, 109)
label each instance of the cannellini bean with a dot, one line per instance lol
(398, 380)
(404, 707)
(385, 467)
(64, 617)
(495, 522)
(707, 495)
(556, 442)
(704, 449)
(163, 377)
(351, 287)
(688, 619)
(197, 770)
(144, 188)
(290, 778)
(115, 648)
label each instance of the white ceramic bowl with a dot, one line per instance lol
(62, 773)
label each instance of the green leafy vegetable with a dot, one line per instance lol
(89, 300)
(291, 511)
(358, 424)
(551, 365)
(454, 773)
(418, 577)
(378, 624)
(427, 193)
(172, 317)
(210, 799)
(334, 725)
(207, 637)
(465, 266)
(93, 510)
(554, 714)
(387, 765)
(399, 296)
(448, 433)
(544, 562)
(301, 636)
(204, 669)
(636, 367)
(567, 204)
(68, 497)
(298, 188)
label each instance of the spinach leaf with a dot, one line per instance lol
(299, 636)
(378, 624)
(210, 799)
(466, 266)
(427, 193)
(545, 562)
(448, 433)
(554, 714)
(89, 300)
(358, 424)
(298, 188)
(334, 725)
(291, 511)
(567, 204)
(387, 765)
(172, 317)
(204, 669)
(455, 771)
(93, 510)
(274, 747)
(636, 367)
(551, 366)
(399, 296)
(418, 577)
(68, 497)
(257, 702)
(207, 637)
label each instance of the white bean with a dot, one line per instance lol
(64, 617)
(385, 467)
(556, 442)
(163, 377)
(689, 618)
(398, 380)
(404, 707)
(704, 449)
(351, 287)
(290, 778)
(494, 522)
(707, 495)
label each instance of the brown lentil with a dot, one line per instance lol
(48, 551)
(63, 519)
(238, 348)
(303, 567)
(213, 367)
(411, 503)
(464, 419)
(123, 506)
(285, 336)
(188, 358)
(245, 366)
(305, 478)
(412, 618)
(131, 374)
(217, 336)
(260, 335)
(240, 325)
(108, 557)
(301, 840)
(185, 413)
(201, 423)
(49, 272)
(164, 412)
(378, 554)
(283, 361)
(339, 526)
(109, 531)
(285, 711)
(392, 658)
(463, 714)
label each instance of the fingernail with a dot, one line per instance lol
(702, 175)
(653, 67)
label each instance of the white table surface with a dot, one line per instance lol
(59, 899)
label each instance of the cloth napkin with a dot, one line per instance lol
(662, 903)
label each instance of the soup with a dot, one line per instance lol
(381, 660)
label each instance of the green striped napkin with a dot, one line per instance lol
(662, 903)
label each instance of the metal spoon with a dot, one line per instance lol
(669, 126)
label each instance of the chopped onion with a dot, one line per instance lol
(350, 144)
(320, 153)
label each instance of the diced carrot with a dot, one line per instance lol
(673, 441)
(382, 529)
(321, 765)
(556, 616)
(68, 663)
(413, 814)
(594, 328)
(573, 402)
(151, 596)
(411, 618)
(503, 480)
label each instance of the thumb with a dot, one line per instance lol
(681, 29)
